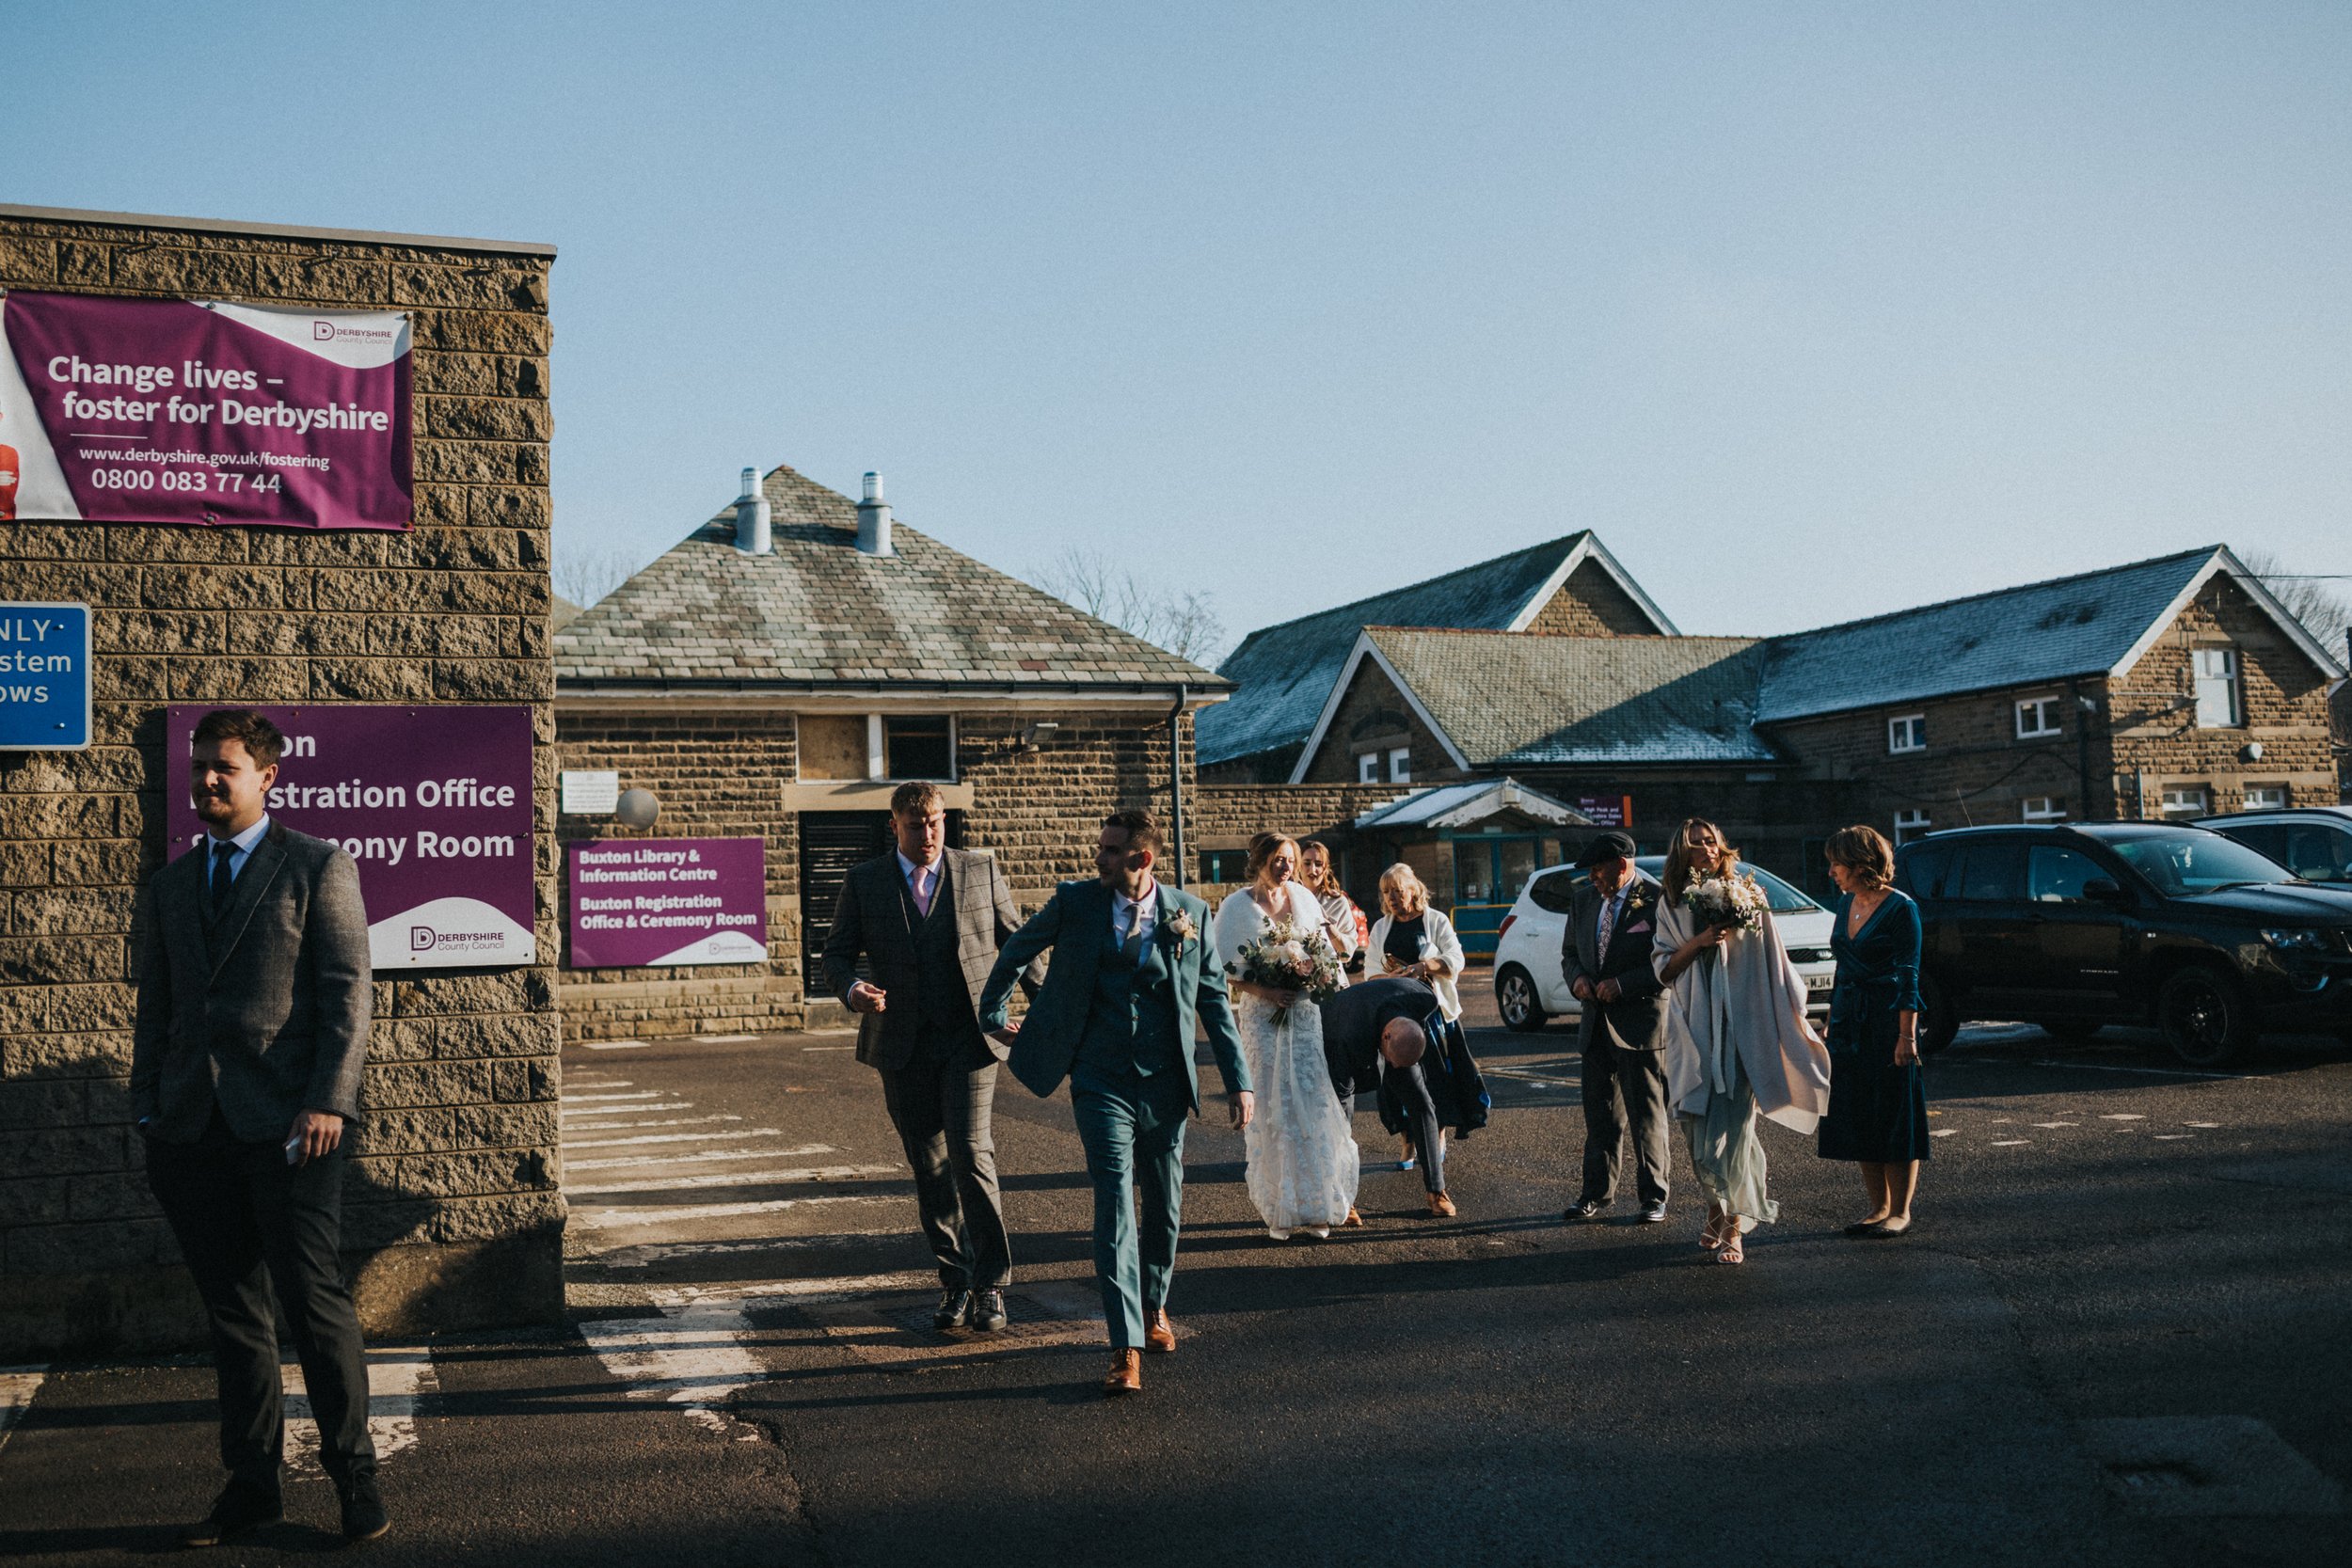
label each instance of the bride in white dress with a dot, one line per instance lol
(1303, 1164)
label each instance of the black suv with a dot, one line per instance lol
(2075, 927)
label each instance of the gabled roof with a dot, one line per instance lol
(1503, 700)
(1463, 805)
(2093, 624)
(1284, 673)
(819, 612)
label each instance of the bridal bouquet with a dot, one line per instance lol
(1731, 899)
(1292, 957)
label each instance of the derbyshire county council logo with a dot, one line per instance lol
(325, 332)
(420, 937)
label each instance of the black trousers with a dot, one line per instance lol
(1421, 1121)
(1624, 1091)
(944, 1104)
(251, 1227)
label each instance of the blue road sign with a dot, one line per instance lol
(44, 676)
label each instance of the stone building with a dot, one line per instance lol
(777, 673)
(451, 1208)
(2167, 687)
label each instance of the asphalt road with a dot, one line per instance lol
(2117, 1335)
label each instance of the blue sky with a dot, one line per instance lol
(1810, 310)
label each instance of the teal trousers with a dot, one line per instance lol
(1133, 1129)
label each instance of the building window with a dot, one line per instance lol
(1224, 865)
(1400, 764)
(1907, 734)
(2186, 800)
(2219, 706)
(2037, 718)
(1368, 767)
(920, 747)
(2266, 796)
(1910, 825)
(2045, 808)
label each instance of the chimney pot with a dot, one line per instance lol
(754, 518)
(873, 519)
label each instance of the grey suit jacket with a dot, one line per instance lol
(1637, 1018)
(871, 917)
(265, 1012)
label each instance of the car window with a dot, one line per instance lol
(2317, 853)
(2187, 861)
(2056, 874)
(1920, 872)
(1778, 896)
(1552, 891)
(1990, 873)
(2264, 838)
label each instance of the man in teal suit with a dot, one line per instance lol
(1133, 968)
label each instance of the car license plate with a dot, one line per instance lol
(1821, 982)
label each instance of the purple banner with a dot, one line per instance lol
(186, 411)
(639, 902)
(435, 803)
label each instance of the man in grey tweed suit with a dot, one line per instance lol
(254, 998)
(929, 920)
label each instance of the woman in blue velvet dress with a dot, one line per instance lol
(1878, 1098)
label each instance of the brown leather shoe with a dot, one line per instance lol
(1126, 1374)
(1353, 1221)
(1159, 1335)
(1441, 1207)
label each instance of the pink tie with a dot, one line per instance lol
(923, 890)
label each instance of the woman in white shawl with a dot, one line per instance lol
(1736, 1041)
(1302, 1159)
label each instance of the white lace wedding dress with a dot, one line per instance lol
(1303, 1164)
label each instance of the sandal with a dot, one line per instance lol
(1710, 1234)
(1731, 1251)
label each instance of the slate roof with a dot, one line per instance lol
(819, 612)
(2041, 631)
(1509, 700)
(1284, 673)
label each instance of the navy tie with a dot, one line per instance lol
(222, 880)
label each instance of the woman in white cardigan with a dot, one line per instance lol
(1417, 943)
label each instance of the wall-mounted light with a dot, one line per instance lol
(636, 808)
(1034, 736)
(2252, 751)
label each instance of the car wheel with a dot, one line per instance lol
(1938, 1020)
(1515, 997)
(2206, 1016)
(2069, 1028)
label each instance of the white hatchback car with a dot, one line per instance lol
(1531, 988)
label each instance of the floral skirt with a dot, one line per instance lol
(1303, 1162)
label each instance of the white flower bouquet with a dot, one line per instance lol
(1731, 900)
(1292, 957)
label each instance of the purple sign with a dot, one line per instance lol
(637, 902)
(186, 411)
(435, 803)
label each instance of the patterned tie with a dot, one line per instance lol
(1608, 924)
(923, 875)
(222, 880)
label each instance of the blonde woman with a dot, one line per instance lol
(1339, 910)
(1417, 943)
(1302, 1159)
(1737, 1043)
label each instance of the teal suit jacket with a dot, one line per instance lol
(1050, 1036)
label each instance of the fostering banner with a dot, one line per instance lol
(642, 902)
(192, 411)
(434, 803)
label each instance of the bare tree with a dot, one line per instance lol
(2313, 600)
(1182, 621)
(586, 572)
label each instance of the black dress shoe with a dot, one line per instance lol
(1583, 1208)
(364, 1518)
(988, 1310)
(955, 1305)
(238, 1510)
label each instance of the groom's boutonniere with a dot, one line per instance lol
(1180, 925)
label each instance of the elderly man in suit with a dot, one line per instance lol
(1606, 957)
(1132, 973)
(929, 920)
(254, 1000)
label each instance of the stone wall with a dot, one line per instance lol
(452, 1212)
(1373, 716)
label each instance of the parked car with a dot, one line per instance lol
(1531, 988)
(2313, 842)
(2077, 927)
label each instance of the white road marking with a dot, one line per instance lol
(663, 1252)
(633, 1162)
(2050, 1126)
(693, 1355)
(726, 1039)
(626, 1110)
(845, 1288)
(18, 1384)
(617, 1045)
(657, 1183)
(631, 1219)
(681, 1137)
(829, 1048)
(2146, 1071)
(2207, 1125)
(1945, 1133)
(2012, 1143)
(2173, 1137)
(658, 1121)
(2120, 1115)
(640, 1094)
(398, 1376)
